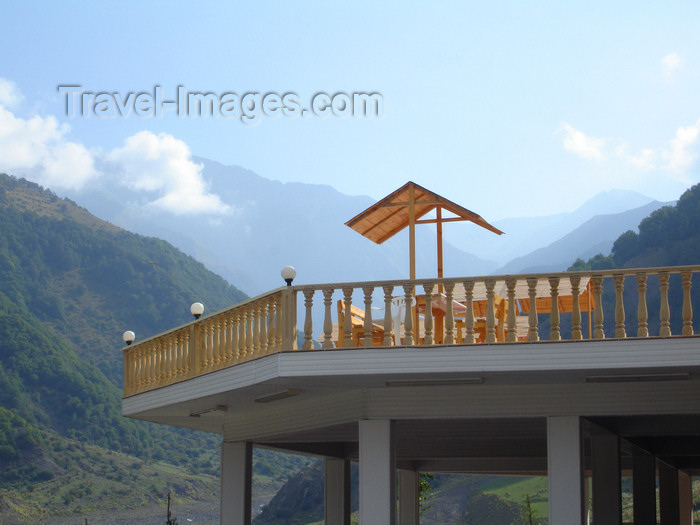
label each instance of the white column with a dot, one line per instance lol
(643, 487)
(669, 508)
(377, 473)
(409, 495)
(685, 494)
(565, 470)
(236, 482)
(337, 492)
(607, 490)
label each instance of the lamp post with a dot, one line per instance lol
(128, 337)
(288, 274)
(197, 309)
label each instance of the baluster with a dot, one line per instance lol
(408, 319)
(271, 324)
(153, 369)
(216, 342)
(208, 345)
(242, 330)
(308, 323)
(388, 320)
(279, 334)
(469, 314)
(687, 277)
(264, 350)
(367, 339)
(137, 368)
(178, 357)
(166, 363)
(428, 321)
(257, 321)
(235, 331)
(620, 331)
(665, 311)
(189, 346)
(449, 314)
(157, 364)
(642, 314)
(490, 312)
(347, 318)
(554, 318)
(598, 332)
(576, 333)
(250, 325)
(532, 333)
(225, 338)
(512, 327)
(327, 319)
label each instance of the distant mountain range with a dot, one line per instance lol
(275, 224)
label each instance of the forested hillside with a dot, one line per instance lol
(70, 284)
(670, 236)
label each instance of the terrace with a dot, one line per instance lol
(585, 377)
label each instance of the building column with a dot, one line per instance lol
(643, 487)
(337, 492)
(607, 489)
(565, 470)
(669, 507)
(236, 483)
(685, 494)
(409, 497)
(377, 473)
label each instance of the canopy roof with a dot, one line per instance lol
(390, 215)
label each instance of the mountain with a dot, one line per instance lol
(274, 224)
(524, 235)
(594, 236)
(70, 284)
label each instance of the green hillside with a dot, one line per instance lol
(70, 284)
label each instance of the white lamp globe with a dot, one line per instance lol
(128, 337)
(288, 274)
(197, 309)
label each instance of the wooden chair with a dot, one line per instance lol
(357, 319)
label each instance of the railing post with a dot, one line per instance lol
(428, 320)
(532, 333)
(490, 312)
(308, 322)
(388, 320)
(512, 335)
(554, 318)
(347, 318)
(686, 278)
(289, 314)
(598, 332)
(195, 349)
(576, 333)
(642, 314)
(449, 314)
(327, 319)
(408, 320)
(264, 342)
(369, 325)
(469, 314)
(620, 331)
(271, 325)
(664, 311)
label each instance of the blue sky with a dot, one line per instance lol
(508, 108)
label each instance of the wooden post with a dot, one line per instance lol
(412, 231)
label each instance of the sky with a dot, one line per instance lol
(507, 108)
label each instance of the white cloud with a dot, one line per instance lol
(581, 144)
(10, 95)
(646, 159)
(669, 64)
(163, 165)
(159, 165)
(680, 155)
(36, 148)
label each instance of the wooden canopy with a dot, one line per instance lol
(404, 208)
